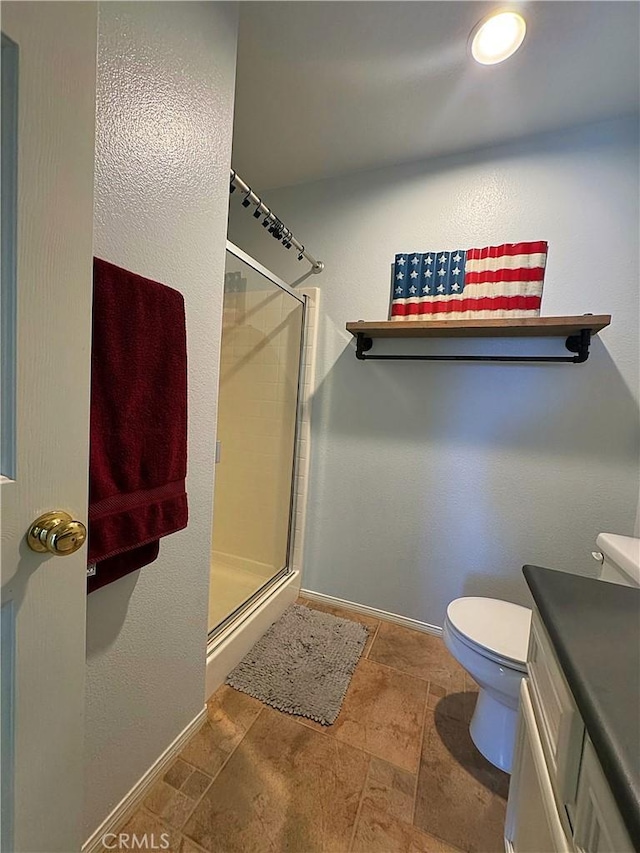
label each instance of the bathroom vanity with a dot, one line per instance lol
(575, 784)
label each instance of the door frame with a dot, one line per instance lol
(258, 267)
(246, 608)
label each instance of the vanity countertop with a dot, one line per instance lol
(595, 629)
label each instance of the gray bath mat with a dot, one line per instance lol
(303, 664)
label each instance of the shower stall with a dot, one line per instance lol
(258, 413)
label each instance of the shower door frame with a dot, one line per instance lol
(287, 569)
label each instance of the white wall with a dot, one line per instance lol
(431, 481)
(164, 119)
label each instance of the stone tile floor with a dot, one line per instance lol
(396, 773)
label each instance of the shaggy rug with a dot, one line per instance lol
(303, 664)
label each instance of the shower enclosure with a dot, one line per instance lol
(260, 369)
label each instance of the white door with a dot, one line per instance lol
(43, 596)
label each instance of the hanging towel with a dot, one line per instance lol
(138, 457)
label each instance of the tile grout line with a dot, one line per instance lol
(213, 779)
(428, 833)
(373, 639)
(155, 815)
(367, 656)
(163, 819)
(365, 752)
(443, 840)
(359, 809)
(467, 685)
(422, 734)
(427, 681)
(395, 669)
(197, 846)
(371, 756)
(335, 740)
(195, 806)
(433, 837)
(171, 830)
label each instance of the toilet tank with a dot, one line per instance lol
(620, 562)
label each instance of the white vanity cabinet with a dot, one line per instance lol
(598, 825)
(533, 824)
(559, 799)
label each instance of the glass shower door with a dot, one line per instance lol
(262, 332)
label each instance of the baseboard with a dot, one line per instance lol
(132, 800)
(414, 624)
(227, 650)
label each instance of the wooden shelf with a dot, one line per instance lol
(577, 331)
(506, 328)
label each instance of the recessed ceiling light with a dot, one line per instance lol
(497, 37)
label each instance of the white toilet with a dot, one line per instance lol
(489, 638)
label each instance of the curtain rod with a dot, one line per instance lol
(276, 226)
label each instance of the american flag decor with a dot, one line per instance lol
(497, 281)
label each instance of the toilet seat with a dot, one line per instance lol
(505, 663)
(498, 630)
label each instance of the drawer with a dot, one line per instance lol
(560, 724)
(598, 826)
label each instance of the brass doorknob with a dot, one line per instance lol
(57, 533)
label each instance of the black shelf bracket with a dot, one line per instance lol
(578, 344)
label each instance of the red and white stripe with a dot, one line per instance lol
(499, 281)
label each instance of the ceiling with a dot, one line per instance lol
(327, 88)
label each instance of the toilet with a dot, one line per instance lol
(489, 638)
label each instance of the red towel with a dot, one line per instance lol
(138, 459)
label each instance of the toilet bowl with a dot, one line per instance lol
(489, 638)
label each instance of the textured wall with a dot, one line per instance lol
(431, 481)
(164, 118)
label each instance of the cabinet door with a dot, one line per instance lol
(559, 722)
(533, 824)
(598, 825)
